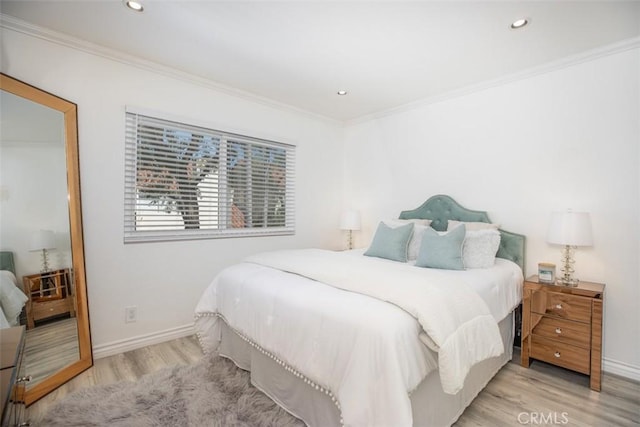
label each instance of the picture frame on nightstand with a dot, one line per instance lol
(547, 272)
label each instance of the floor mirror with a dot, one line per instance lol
(42, 228)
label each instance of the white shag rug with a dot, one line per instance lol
(214, 392)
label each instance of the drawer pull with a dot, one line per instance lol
(558, 330)
(559, 306)
(25, 379)
(557, 354)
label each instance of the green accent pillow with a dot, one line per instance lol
(442, 250)
(391, 243)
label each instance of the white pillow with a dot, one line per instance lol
(420, 225)
(480, 247)
(472, 226)
(12, 299)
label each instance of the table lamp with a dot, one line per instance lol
(350, 221)
(571, 229)
(43, 240)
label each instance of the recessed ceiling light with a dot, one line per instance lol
(519, 23)
(342, 92)
(134, 5)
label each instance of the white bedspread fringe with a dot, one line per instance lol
(287, 367)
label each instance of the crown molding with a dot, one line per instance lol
(29, 29)
(569, 61)
(52, 36)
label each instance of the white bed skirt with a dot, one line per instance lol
(431, 407)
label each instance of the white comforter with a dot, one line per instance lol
(367, 352)
(12, 299)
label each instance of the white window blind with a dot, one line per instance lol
(188, 182)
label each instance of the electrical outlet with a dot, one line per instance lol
(131, 314)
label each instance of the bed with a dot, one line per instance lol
(340, 338)
(12, 299)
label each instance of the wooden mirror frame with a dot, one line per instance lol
(69, 110)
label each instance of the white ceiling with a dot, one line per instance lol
(385, 53)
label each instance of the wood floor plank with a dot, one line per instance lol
(50, 347)
(512, 398)
(517, 394)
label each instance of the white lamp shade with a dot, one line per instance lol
(42, 239)
(350, 220)
(570, 228)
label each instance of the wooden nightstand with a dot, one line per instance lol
(562, 325)
(11, 349)
(49, 295)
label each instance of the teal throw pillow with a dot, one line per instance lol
(442, 250)
(391, 243)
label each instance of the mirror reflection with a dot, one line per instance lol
(35, 230)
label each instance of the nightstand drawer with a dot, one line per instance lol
(11, 349)
(561, 354)
(561, 305)
(570, 332)
(51, 308)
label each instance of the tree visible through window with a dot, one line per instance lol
(189, 182)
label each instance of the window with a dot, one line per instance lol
(188, 182)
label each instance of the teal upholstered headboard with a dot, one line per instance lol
(440, 209)
(6, 261)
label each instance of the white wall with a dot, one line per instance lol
(34, 196)
(165, 280)
(564, 139)
(567, 138)
(33, 183)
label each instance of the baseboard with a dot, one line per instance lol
(621, 369)
(133, 343)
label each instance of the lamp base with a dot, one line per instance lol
(350, 240)
(567, 278)
(45, 262)
(570, 282)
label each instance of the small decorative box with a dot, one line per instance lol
(547, 272)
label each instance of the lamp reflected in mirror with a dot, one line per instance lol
(43, 240)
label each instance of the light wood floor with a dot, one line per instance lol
(541, 395)
(48, 348)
